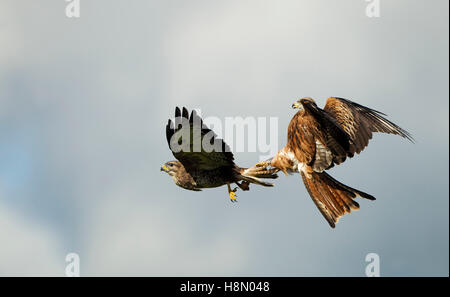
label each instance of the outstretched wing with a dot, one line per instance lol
(360, 122)
(195, 145)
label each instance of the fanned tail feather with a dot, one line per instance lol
(333, 198)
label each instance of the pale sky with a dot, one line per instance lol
(83, 108)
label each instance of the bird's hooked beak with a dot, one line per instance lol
(164, 168)
(297, 105)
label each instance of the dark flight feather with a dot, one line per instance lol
(220, 156)
(360, 122)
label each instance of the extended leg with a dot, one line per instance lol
(232, 193)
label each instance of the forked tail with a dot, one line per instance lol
(333, 198)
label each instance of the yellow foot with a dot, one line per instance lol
(262, 164)
(233, 195)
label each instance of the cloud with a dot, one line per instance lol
(28, 249)
(139, 237)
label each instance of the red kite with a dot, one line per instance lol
(319, 138)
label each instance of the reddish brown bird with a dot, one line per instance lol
(320, 138)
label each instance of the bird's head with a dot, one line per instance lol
(300, 102)
(171, 167)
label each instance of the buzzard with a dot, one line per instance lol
(318, 139)
(204, 160)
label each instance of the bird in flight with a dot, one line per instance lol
(318, 139)
(204, 160)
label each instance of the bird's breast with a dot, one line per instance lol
(211, 178)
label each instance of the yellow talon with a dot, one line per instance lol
(262, 164)
(233, 197)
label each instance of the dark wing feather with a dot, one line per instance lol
(333, 137)
(360, 122)
(186, 139)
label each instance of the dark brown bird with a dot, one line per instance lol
(319, 138)
(204, 160)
